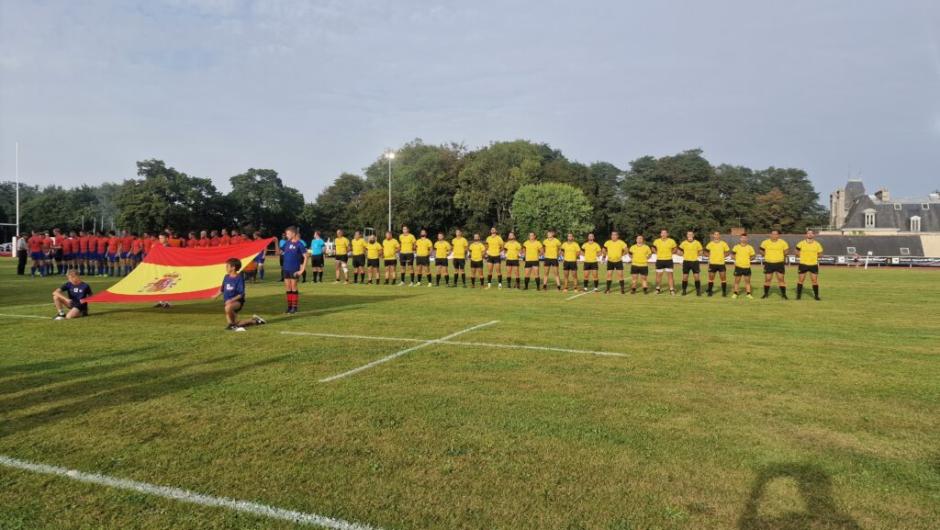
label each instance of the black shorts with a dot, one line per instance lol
(742, 271)
(615, 265)
(316, 260)
(373, 263)
(712, 268)
(58, 254)
(82, 308)
(551, 262)
(440, 262)
(459, 263)
(642, 271)
(476, 264)
(512, 263)
(342, 257)
(691, 266)
(803, 269)
(424, 261)
(238, 306)
(664, 265)
(495, 260)
(531, 264)
(570, 266)
(390, 262)
(770, 268)
(590, 266)
(359, 261)
(407, 259)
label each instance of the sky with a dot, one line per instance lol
(315, 88)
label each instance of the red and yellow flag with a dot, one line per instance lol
(169, 274)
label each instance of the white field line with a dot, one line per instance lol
(24, 316)
(397, 354)
(182, 495)
(457, 343)
(577, 295)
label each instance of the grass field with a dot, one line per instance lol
(719, 413)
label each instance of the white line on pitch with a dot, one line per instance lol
(24, 316)
(182, 495)
(577, 295)
(397, 354)
(456, 343)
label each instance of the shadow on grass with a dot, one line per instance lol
(64, 362)
(815, 488)
(87, 396)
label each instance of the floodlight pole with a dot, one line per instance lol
(389, 155)
(17, 177)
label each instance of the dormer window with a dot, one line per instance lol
(869, 218)
(915, 223)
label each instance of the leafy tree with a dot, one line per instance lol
(165, 197)
(261, 200)
(337, 205)
(560, 207)
(487, 184)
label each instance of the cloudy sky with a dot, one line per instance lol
(314, 88)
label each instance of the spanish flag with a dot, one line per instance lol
(169, 274)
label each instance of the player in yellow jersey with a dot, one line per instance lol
(477, 252)
(691, 252)
(775, 257)
(590, 250)
(717, 250)
(512, 248)
(423, 248)
(358, 246)
(743, 252)
(665, 248)
(373, 253)
(614, 249)
(441, 251)
(341, 256)
(390, 247)
(640, 254)
(533, 253)
(407, 254)
(494, 257)
(571, 251)
(809, 250)
(550, 248)
(460, 244)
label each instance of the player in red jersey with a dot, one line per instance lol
(203, 239)
(236, 237)
(47, 253)
(191, 241)
(35, 253)
(224, 239)
(101, 253)
(214, 238)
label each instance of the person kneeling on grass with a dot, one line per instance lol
(233, 293)
(70, 299)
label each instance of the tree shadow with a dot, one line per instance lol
(64, 362)
(815, 487)
(85, 396)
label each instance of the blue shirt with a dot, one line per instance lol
(293, 255)
(232, 287)
(77, 293)
(316, 246)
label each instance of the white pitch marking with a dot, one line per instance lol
(24, 316)
(577, 295)
(456, 343)
(177, 494)
(397, 354)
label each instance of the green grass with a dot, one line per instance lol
(750, 414)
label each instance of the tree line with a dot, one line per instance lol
(517, 185)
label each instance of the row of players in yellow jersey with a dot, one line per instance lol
(551, 258)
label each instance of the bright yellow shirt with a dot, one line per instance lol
(640, 255)
(690, 249)
(716, 252)
(532, 249)
(423, 247)
(476, 251)
(389, 247)
(441, 249)
(774, 251)
(743, 255)
(615, 249)
(407, 243)
(459, 244)
(551, 246)
(494, 244)
(341, 245)
(571, 250)
(512, 249)
(664, 248)
(809, 252)
(359, 247)
(373, 250)
(591, 250)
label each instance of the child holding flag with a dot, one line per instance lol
(233, 294)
